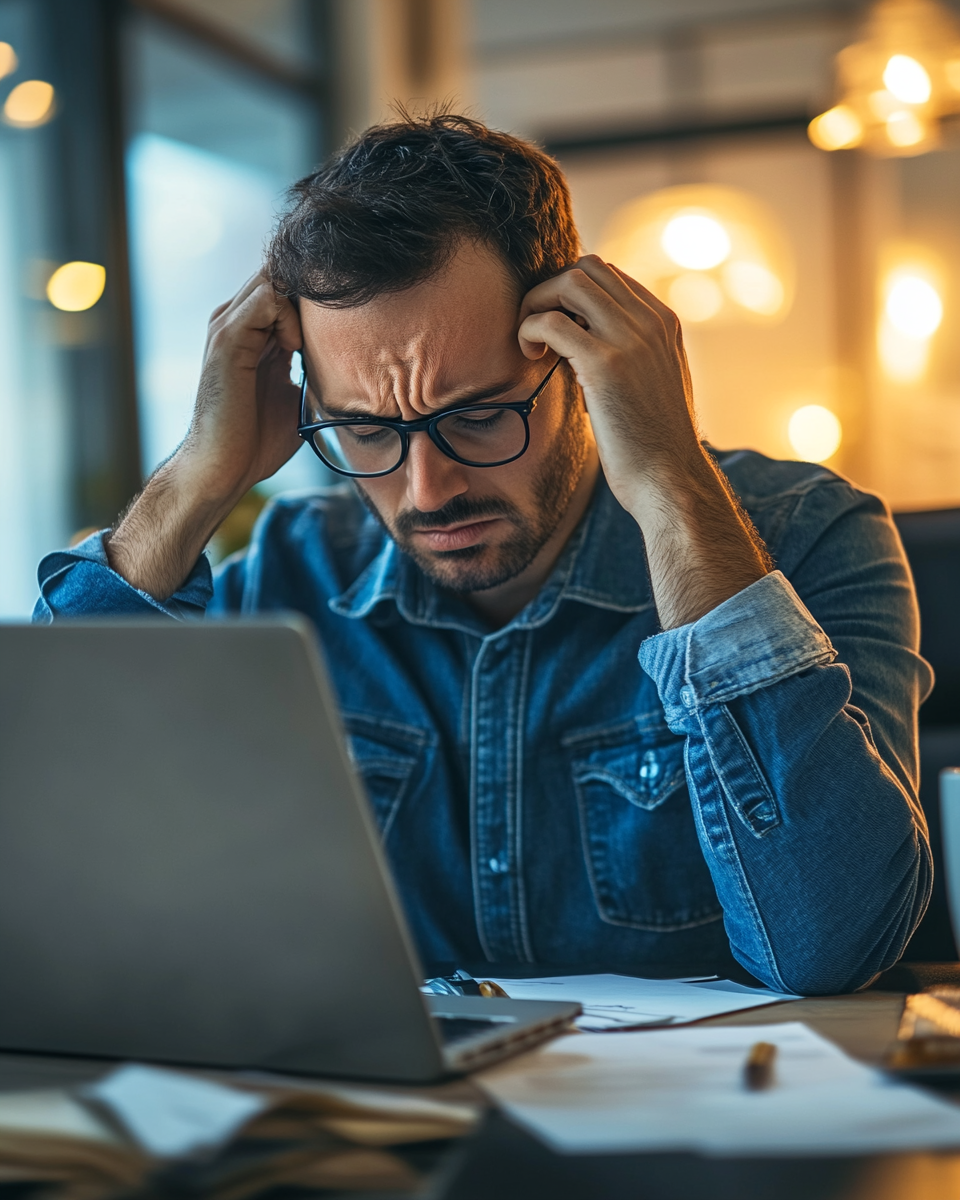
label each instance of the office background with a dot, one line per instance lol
(158, 156)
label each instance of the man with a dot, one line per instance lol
(484, 584)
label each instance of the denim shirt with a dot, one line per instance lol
(579, 786)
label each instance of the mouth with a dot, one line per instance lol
(456, 537)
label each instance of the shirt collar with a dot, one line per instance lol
(603, 564)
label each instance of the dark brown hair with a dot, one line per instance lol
(389, 209)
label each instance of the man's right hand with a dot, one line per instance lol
(244, 428)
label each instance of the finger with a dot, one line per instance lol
(666, 314)
(615, 283)
(670, 320)
(553, 330)
(575, 292)
(287, 329)
(240, 296)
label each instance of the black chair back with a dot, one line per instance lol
(932, 543)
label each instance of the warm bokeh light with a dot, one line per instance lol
(696, 240)
(910, 310)
(839, 128)
(913, 306)
(695, 297)
(754, 286)
(76, 286)
(903, 359)
(899, 79)
(714, 254)
(31, 103)
(905, 129)
(907, 79)
(815, 433)
(8, 59)
(884, 104)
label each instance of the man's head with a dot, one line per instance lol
(410, 252)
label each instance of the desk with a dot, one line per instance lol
(503, 1163)
(500, 1162)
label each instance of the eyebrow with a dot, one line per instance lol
(466, 400)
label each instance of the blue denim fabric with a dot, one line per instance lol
(748, 783)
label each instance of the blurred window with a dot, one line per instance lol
(283, 29)
(34, 460)
(212, 146)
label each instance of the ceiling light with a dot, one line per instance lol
(713, 254)
(907, 79)
(697, 241)
(899, 80)
(754, 286)
(839, 128)
(905, 129)
(695, 297)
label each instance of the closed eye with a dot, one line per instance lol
(486, 418)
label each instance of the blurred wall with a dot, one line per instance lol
(633, 97)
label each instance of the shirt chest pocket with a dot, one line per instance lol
(642, 853)
(390, 759)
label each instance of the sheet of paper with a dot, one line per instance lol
(173, 1115)
(52, 1115)
(619, 1001)
(682, 1089)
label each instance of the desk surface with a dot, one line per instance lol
(502, 1162)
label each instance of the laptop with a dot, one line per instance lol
(189, 871)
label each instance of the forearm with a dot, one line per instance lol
(158, 541)
(817, 850)
(702, 548)
(820, 860)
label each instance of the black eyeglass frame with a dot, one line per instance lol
(425, 424)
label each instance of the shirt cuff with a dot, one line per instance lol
(80, 582)
(757, 637)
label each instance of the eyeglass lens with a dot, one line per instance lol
(478, 436)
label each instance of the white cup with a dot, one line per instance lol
(950, 834)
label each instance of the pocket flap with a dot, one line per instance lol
(643, 775)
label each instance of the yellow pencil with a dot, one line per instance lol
(758, 1069)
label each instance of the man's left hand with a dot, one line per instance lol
(626, 348)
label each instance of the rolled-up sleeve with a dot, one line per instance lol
(80, 582)
(800, 723)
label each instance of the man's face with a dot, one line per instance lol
(417, 352)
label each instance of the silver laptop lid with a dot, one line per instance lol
(188, 871)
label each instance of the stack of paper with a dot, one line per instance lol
(683, 1089)
(622, 1002)
(142, 1124)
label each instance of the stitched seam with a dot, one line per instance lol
(737, 872)
(474, 838)
(521, 896)
(818, 659)
(759, 780)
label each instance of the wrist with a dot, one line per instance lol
(671, 488)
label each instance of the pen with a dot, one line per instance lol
(758, 1069)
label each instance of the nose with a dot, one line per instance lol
(432, 479)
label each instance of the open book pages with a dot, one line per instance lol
(228, 1139)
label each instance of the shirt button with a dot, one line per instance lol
(686, 695)
(497, 866)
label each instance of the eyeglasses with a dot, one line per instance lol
(477, 435)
